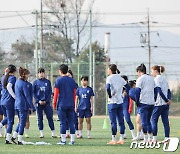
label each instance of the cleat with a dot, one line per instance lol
(42, 136)
(71, 143)
(26, 136)
(54, 136)
(61, 143)
(20, 143)
(165, 141)
(8, 142)
(111, 143)
(120, 142)
(78, 137)
(89, 137)
(13, 140)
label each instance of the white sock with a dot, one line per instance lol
(80, 132)
(41, 132)
(8, 137)
(26, 131)
(154, 138)
(77, 132)
(121, 137)
(15, 134)
(133, 133)
(67, 132)
(72, 137)
(88, 132)
(53, 132)
(124, 135)
(145, 138)
(1, 128)
(149, 137)
(63, 137)
(113, 137)
(20, 138)
(138, 134)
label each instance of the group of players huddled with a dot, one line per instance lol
(73, 103)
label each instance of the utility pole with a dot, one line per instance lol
(36, 44)
(41, 41)
(90, 50)
(149, 43)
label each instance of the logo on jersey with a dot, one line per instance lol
(42, 88)
(84, 95)
(46, 84)
(88, 91)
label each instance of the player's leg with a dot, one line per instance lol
(112, 110)
(1, 118)
(4, 121)
(88, 116)
(49, 115)
(165, 121)
(70, 117)
(149, 126)
(39, 111)
(26, 129)
(120, 118)
(129, 122)
(81, 115)
(62, 115)
(10, 122)
(154, 121)
(76, 123)
(138, 126)
(22, 123)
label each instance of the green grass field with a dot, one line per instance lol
(95, 145)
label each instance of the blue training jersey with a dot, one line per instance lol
(0, 92)
(84, 95)
(23, 96)
(67, 87)
(6, 98)
(42, 90)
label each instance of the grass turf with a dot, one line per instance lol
(95, 145)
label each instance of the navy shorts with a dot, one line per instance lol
(84, 113)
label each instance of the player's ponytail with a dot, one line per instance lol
(159, 69)
(114, 69)
(10, 69)
(118, 71)
(141, 68)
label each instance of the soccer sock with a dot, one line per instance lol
(154, 138)
(1, 127)
(26, 131)
(113, 137)
(67, 132)
(8, 137)
(41, 132)
(53, 132)
(80, 132)
(121, 137)
(133, 133)
(72, 137)
(63, 137)
(15, 134)
(77, 132)
(88, 132)
(149, 137)
(20, 138)
(138, 134)
(145, 138)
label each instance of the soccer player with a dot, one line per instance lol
(114, 87)
(126, 105)
(133, 96)
(84, 108)
(23, 103)
(64, 92)
(70, 74)
(42, 91)
(162, 103)
(8, 99)
(145, 87)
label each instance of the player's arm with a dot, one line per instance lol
(56, 94)
(91, 101)
(76, 103)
